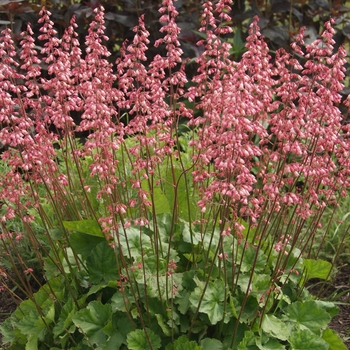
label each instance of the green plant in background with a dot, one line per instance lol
(151, 236)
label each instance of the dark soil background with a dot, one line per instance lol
(340, 286)
(341, 322)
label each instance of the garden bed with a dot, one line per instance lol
(198, 204)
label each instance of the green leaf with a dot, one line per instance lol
(304, 339)
(137, 340)
(333, 340)
(114, 342)
(182, 343)
(328, 306)
(211, 344)
(165, 328)
(232, 341)
(238, 44)
(98, 287)
(29, 322)
(183, 300)
(261, 283)
(32, 343)
(259, 286)
(25, 308)
(83, 243)
(294, 261)
(248, 342)
(176, 176)
(65, 319)
(131, 242)
(250, 309)
(309, 315)
(274, 327)
(57, 233)
(7, 329)
(50, 268)
(184, 323)
(166, 229)
(50, 314)
(124, 325)
(156, 286)
(269, 344)
(316, 269)
(174, 320)
(118, 302)
(233, 308)
(200, 34)
(42, 299)
(57, 285)
(250, 259)
(92, 320)
(101, 264)
(160, 201)
(32, 324)
(155, 307)
(188, 236)
(90, 227)
(211, 300)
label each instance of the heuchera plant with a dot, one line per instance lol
(184, 219)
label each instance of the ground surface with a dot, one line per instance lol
(341, 323)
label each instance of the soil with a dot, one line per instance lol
(340, 288)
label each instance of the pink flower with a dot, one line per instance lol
(172, 267)
(223, 256)
(3, 273)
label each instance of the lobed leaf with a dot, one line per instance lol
(64, 321)
(83, 243)
(210, 301)
(158, 199)
(135, 241)
(304, 339)
(101, 264)
(183, 343)
(316, 269)
(138, 340)
(269, 344)
(333, 340)
(92, 321)
(308, 314)
(252, 258)
(90, 227)
(211, 344)
(275, 327)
